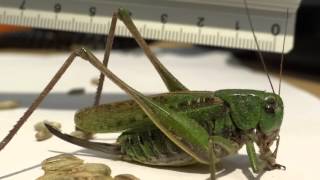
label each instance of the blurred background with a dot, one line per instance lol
(301, 67)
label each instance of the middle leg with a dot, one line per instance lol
(109, 44)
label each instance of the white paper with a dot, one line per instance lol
(24, 75)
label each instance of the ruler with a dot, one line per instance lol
(222, 23)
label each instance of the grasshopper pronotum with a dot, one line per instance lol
(178, 128)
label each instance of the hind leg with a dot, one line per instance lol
(170, 81)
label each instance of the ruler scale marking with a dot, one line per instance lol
(268, 16)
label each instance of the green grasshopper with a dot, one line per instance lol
(178, 128)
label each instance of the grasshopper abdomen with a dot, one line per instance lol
(119, 116)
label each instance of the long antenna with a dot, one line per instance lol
(257, 44)
(282, 54)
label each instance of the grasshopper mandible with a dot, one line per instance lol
(178, 128)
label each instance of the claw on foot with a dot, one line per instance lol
(279, 166)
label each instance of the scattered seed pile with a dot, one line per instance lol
(69, 167)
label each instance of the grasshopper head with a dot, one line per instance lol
(272, 114)
(252, 109)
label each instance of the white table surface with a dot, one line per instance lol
(23, 76)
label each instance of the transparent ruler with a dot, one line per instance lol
(221, 23)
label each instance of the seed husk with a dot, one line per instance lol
(81, 134)
(42, 132)
(97, 168)
(43, 135)
(95, 81)
(63, 162)
(39, 126)
(76, 91)
(125, 177)
(8, 104)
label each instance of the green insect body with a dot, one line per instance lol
(178, 128)
(227, 113)
(127, 116)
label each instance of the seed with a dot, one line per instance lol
(43, 135)
(96, 168)
(125, 177)
(42, 132)
(41, 127)
(8, 104)
(76, 91)
(95, 81)
(81, 134)
(55, 176)
(62, 162)
(89, 176)
(54, 124)
(75, 176)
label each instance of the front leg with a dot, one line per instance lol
(264, 143)
(265, 161)
(269, 159)
(253, 158)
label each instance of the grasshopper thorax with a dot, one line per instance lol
(252, 109)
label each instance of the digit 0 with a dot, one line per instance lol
(275, 29)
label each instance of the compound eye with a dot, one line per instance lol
(269, 108)
(270, 104)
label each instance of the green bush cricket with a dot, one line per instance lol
(177, 128)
